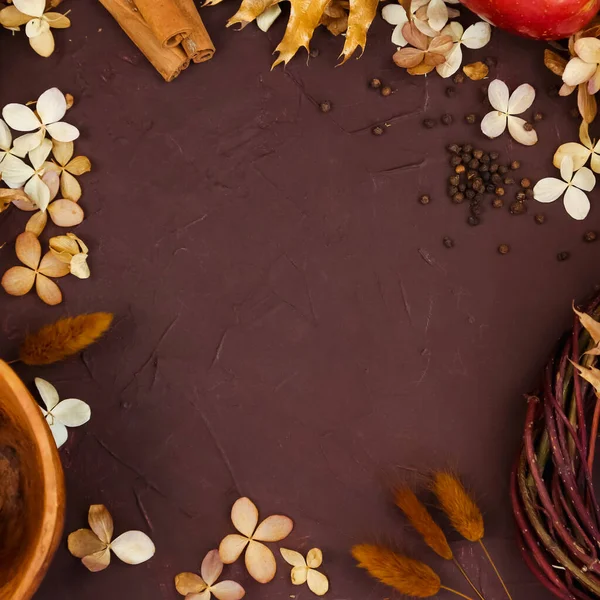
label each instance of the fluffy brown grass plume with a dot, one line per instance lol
(64, 338)
(458, 505)
(422, 521)
(410, 577)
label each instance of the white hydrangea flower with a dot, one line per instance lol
(61, 414)
(6, 142)
(474, 37)
(506, 106)
(580, 153)
(573, 185)
(50, 109)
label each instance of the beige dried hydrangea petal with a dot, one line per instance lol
(314, 558)
(244, 516)
(65, 213)
(69, 186)
(476, 71)
(101, 522)
(273, 529)
(79, 165)
(98, 561)
(84, 542)
(292, 557)
(11, 17)
(63, 152)
(43, 44)
(79, 266)
(133, 547)
(47, 290)
(318, 584)
(189, 583)
(28, 249)
(62, 245)
(51, 266)
(37, 223)
(260, 562)
(18, 281)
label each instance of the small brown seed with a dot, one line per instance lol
(521, 196)
(325, 106)
(540, 218)
(462, 187)
(515, 164)
(528, 127)
(450, 92)
(538, 116)
(386, 90)
(471, 118)
(466, 158)
(447, 119)
(474, 164)
(375, 83)
(499, 191)
(448, 242)
(518, 208)
(497, 203)
(493, 167)
(454, 148)
(472, 220)
(458, 198)
(503, 169)
(454, 179)
(429, 123)
(509, 181)
(455, 160)
(485, 175)
(478, 154)
(562, 256)
(377, 130)
(525, 183)
(458, 77)
(503, 248)
(590, 236)
(424, 199)
(483, 168)
(452, 190)
(468, 148)
(460, 169)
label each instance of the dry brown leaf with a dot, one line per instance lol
(591, 375)
(586, 103)
(591, 325)
(362, 13)
(555, 62)
(249, 10)
(476, 71)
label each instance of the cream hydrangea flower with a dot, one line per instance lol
(93, 546)
(194, 587)
(573, 185)
(69, 168)
(60, 414)
(584, 67)
(6, 143)
(38, 23)
(51, 107)
(259, 560)
(580, 153)
(474, 37)
(506, 106)
(305, 571)
(72, 251)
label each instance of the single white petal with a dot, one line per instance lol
(437, 14)
(477, 35)
(454, 30)
(72, 412)
(516, 128)
(133, 547)
(60, 434)
(566, 90)
(521, 99)
(576, 203)
(244, 516)
(36, 27)
(394, 14)
(228, 590)
(494, 124)
(35, 8)
(425, 29)
(79, 266)
(578, 71)
(20, 117)
(15, 171)
(51, 106)
(595, 163)
(47, 392)
(25, 143)
(584, 179)
(38, 155)
(268, 17)
(292, 557)
(577, 152)
(566, 168)
(38, 191)
(63, 132)
(318, 584)
(43, 44)
(5, 136)
(498, 95)
(549, 189)
(398, 38)
(588, 49)
(452, 64)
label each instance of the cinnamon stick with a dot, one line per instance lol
(169, 62)
(198, 45)
(166, 20)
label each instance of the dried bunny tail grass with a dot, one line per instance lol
(422, 521)
(458, 505)
(64, 338)
(410, 577)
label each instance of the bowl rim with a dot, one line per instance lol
(50, 529)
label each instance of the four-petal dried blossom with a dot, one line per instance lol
(17, 281)
(573, 185)
(93, 546)
(474, 37)
(506, 106)
(424, 54)
(580, 153)
(60, 414)
(68, 168)
(196, 587)
(584, 66)
(51, 107)
(259, 559)
(305, 570)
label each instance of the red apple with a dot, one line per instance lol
(537, 19)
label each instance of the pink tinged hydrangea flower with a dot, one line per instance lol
(585, 66)
(474, 37)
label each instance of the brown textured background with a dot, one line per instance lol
(279, 333)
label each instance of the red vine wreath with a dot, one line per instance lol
(552, 490)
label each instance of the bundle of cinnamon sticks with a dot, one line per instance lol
(170, 33)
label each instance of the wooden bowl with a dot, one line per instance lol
(32, 492)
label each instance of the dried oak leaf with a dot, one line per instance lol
(68, 168)
(17, 281)
(249, 11)
(591, 375)
(592, 327)
(476, 71)
(554, 62)
(93, 545)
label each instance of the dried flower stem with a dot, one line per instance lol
(464, 574)
(443, 587)
(487, 554)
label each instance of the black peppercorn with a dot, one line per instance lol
(509, 181)
(468, 148)
(518, 208)
(499, 191)
(497, 203)
(485, 158)
(458, 77)
(478, 154)
(521, 197)
(478, 198)
(503, 248)
(377, 130)
(494, 155)
(325, 106)
(503, 169)
(452, 190)
(458, 197)
(454, 179)
(429, 123)
(455, 160)
(454, 148)
(540, 219)
(462, 187)
(562, 256)
(448, 242)
(375, 83)
(470, 194)
(484, 168)
(472, 220)
(471, 174)
(525, 183)
(386, 90)
(515, 164)
(528, 127)
(538, 116)
(466, 158)
(447, 119)
(474, 164)
(590, 236)
(496, 179)
(493, 167)
(491, 61)
(475, 210)
(460, 169)
(470, 118)
(485, 176)
(424, 199)
(490, 188)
